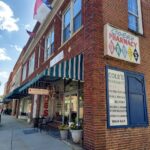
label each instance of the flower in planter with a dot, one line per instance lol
(75, 127)
(63, 127)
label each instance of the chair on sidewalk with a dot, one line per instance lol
(43, 124)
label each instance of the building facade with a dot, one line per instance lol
(92, 56)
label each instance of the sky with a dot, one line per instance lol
(15, 17)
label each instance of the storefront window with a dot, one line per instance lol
(73, 107)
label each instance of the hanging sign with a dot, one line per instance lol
(121, 45)
(36, 91)
(117, 98)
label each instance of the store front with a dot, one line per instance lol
(25, 108)
(65, 105)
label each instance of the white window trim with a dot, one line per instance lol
(140, 21)
(70, 5)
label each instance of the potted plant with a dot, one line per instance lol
(63, 131)
(76, 132)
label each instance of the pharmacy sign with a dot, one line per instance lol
(121, 44)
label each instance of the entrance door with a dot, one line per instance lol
(71, 107)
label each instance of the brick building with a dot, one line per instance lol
(93, 57)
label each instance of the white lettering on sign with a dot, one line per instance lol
(117, 98)
(57, 58)
(121, 45)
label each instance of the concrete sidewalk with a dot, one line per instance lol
(13, 137)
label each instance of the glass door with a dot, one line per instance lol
(70, 107)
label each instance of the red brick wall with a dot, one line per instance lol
(115, 13)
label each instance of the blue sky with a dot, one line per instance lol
(15, 17)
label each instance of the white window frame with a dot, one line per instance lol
(31, 64)
(71, 6)
(48, 50)
(139, 18)
(24, 72)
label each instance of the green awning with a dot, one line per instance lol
(69, 69)
(33, 81)
(12, 95)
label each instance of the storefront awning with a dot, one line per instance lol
(33, 81)
(20, 91)
(13, 95)
(69, 69)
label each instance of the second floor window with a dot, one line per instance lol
(24, 72)
(66, 30)
(134, 16)
(72, 19)
(77, 15)
(31, 64)
(49, 44)
(39, 55)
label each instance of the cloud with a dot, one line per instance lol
(19, 49)
(3, 79)
(4, 74)
(27, 26)
(3, 55)
(7, 20)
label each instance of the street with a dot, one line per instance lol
(19, 135)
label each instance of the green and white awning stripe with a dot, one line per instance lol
(34, 80)
(69, 69)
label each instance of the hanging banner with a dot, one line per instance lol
(46, 101)
(121, 45)
(116, 98)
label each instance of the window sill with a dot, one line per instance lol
(63, 43)
(135, 32)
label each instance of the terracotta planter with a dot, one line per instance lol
(76, 135)
(64, 134)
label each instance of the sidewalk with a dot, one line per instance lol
(18, 135)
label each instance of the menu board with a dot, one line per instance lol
(117, 98)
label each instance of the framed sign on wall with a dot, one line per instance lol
(126, 98)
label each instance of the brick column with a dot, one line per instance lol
(94, 76)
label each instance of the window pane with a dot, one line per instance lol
(77, 22)
(132, 6)
(52, 47)
(52, 37)
(77, 7)
(31, 64)
(132, 22)
(67, 18)
(24, 72)
(66, 33)
(136, 100)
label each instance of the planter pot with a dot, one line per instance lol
(64, 134)
(76, 135)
